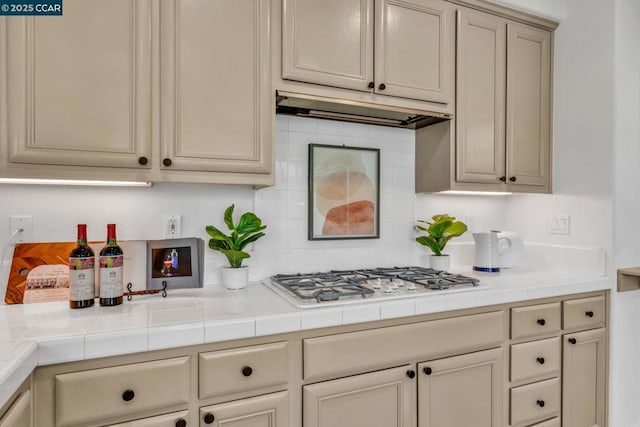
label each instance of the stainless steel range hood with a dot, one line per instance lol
(354, 111)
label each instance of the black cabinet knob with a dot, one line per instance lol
(167, 162)
(181, 423)
(512, 179)
(143, 160)
(128, 395)
(541, 322)
(411, 373)
(209, 418)
(382, 86)
(540, 360)
(427, 371)
(572, 340)
(371, 85)
(503, 178)
(589, 313)
(540, 403)
(247, 371)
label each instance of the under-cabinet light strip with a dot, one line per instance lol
(75, 182)
(476, 193)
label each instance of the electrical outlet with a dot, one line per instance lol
(559, 224)
(24, 223)
(172, 226)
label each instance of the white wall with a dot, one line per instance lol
(139, 212)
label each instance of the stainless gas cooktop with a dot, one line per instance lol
(353, 286)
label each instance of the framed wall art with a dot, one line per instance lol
(344, 192)
(175, 261)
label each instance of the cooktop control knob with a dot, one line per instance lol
(398, 282)
(410, 287)
(377, 284)
(389, 290)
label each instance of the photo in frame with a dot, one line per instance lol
(344, 192)
(175, 261)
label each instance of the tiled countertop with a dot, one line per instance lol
(41, 334)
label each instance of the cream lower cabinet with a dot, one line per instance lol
(176, 419)
(461, 390)
(583, 379)
(270, 410)
(379, 399)
(19, 413)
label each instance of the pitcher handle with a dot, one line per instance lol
(502, 246)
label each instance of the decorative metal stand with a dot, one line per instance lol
(131, 292)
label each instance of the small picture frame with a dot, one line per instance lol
(344, 192)
(175, 261)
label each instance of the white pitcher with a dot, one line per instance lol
(487, 255)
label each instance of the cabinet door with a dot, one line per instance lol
(328, 42)
(270, 410)
(414, 49)
(463, 390)
(176, 419)
(19, 414)
(216, 103)
(379, 399)
(79, 85)
(480, 97)
(583, 379)
(528, 105)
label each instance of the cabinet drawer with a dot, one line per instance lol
(534, 359)
(241, 369)
(176, 419)
(535, 320)
(554, 422)
(19, 413)
(535, 401)
(584, 313)
(355, 352)
(138, 389)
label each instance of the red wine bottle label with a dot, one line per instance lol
(81, 279)
(111, 280)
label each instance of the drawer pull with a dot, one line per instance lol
(247, 371)
(589, 313)
(209, 418)
(382, 86)
(371, 85)
(411, 373)
(540, 360)
(143, 160)
(427, 371)
(167, 162)
(541, 322)
(128, 395)
(572, 340)
(540, 403)
(181, 423)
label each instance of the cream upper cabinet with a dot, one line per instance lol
(584, 379)
(480, 103)
(503, 104)
(528, 105)
(215, 98)
(414, 42)
(79, 85)
(384, 398)
(401, 48)
(270, 410)
(328, 42)
(462, 390)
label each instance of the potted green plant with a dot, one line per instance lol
(439, 231)
(248, 229)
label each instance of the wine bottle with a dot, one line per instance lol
(81, 272)
(111, 266)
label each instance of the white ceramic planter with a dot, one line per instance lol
(439, 262)
(235, 278)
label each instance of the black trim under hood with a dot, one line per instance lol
(354, 111)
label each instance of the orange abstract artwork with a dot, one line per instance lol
(344, 192)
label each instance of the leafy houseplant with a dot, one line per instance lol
(248, 229)
(439, 231)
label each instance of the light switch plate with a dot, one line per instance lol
(560, 224)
